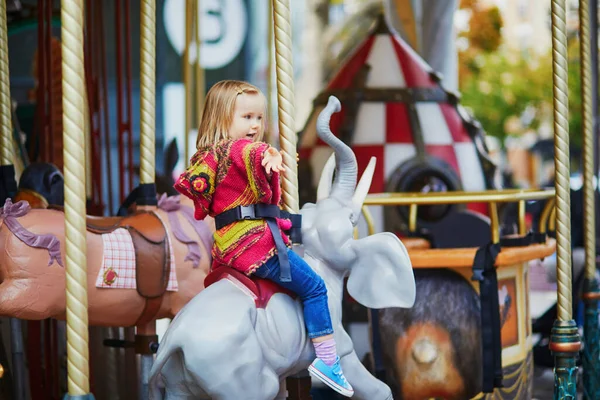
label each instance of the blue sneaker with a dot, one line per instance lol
(332, 376)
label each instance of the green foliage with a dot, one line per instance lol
(505, 85)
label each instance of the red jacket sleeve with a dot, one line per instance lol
(198, 182)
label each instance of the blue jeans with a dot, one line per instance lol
(308, 286)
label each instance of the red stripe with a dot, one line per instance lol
(455, 124)
(397, 125)
(414, 74)
(344, 77)
(481, 208)
(363, 155)
(444, 152)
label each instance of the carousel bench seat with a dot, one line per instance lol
(415, 243)
(463, 257)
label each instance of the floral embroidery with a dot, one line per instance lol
(200, 183)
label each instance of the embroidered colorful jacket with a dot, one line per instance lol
(223, 177)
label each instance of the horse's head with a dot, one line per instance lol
(380, 271)
(41, 185)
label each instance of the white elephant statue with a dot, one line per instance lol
(221, 346)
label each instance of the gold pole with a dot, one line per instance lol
(187, 77)
(271, 48)
(561, 159)
(588, 141)
(285, 98)
(591, 290)
(200, 77)
(74, 163)
(564, 338)
(494, 225)
(6, 144)
(546, 214)
(522, 227)
(147, 90)
(412, 218)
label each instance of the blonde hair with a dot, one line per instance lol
(219, 107)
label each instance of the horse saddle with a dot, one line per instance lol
(259, 289)
(150, 243)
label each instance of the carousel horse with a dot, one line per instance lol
(168, 257)
(225, 344)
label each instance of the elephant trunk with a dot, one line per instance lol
(346, 167)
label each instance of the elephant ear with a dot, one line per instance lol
(381, 275)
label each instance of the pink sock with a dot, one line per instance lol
(326, 351)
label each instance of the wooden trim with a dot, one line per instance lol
(415, 243)
(463, 257)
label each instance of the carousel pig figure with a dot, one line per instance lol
(222, 346)
(168, 257)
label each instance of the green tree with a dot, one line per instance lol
(507, 85)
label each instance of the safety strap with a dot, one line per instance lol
(519, 241)
(268, 212)
(485, 272)
(377, 354)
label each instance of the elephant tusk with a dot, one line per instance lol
(362, 189)
(326, 180)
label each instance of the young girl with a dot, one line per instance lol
(234, 170)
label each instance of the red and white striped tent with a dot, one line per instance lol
(400, 114)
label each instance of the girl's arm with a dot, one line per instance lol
(265, 185)
(198, 183)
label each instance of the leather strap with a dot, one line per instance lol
(484, 271)
(151, 308)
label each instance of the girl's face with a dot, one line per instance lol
(247, 117)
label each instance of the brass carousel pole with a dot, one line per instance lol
(8, 188)
(200, 74)
(187, 77)
(73, 84)
(564, 340)
(8, 185)
(298, 386)
(285, 102)
(145, 336)
(591, 292)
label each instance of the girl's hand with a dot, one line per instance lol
(272, 160)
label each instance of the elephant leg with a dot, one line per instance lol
(365, 385)
(266, 387)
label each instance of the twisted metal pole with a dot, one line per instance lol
(8, 188)
(564, 341)
(187, 77)
(200, 75)
(73, 85)
(591, 292)
(271, 55)
(285, 98)
(147, 91)
(146, 333)
(6, 146)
